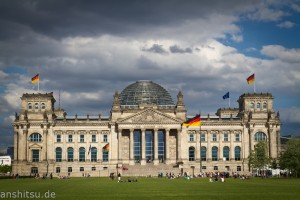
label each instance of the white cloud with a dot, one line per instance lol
(295, 7)
(281, 53)
(251, 49)
(237, 38)
(265, 13)
(286, 24)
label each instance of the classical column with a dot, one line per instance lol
(76, 147)
(278, 143)
(246, 143)
(16, 144)
(167, 149)
(231, 150)
(220, 146)
(143, 160)
(25, 152)
(272, 139)
(131, 146)
(208, 150)
(251, 140)
(120, 145)
(197, 150)
(64, 139)
(156, 147)
(44, 150)
(179, 156)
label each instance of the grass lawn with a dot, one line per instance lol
(158, 188)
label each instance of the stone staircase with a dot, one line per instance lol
(149, 169)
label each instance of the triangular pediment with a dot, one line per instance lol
(35, 146)
(149, 116)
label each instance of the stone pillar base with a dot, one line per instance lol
(131, 162)
(155, 162)
(168, 162)
(143, 162)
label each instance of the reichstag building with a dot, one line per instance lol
(142, 136)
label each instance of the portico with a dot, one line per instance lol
(146, 145)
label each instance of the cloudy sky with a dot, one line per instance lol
(89, 49)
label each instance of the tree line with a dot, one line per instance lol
(288, 159)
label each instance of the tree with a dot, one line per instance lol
(5, 168)
(258, 158)
(290, 159)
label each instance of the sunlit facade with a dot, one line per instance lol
(143, 134)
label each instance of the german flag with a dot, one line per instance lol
(35, 79)
(251, 79)
(196, 121)
(106, 147)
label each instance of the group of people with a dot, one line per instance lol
(44, 176)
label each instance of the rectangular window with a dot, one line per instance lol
(81, 169)
(105, 138)
(58, 138)
(69, 169)
(238, 168)
(226, 137)
(202, 137)
(227, 168)
(215, 167)
(237, 137)
(57, 170)
(81, 138)
(34, 170)
(105, 156)
(35, 155)
(214, 137)
(70, 138)
(93, 138)
(93, 168)
(191, 137)
(203, 167)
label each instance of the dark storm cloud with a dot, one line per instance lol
(156, 48)
(177, 49)
(66, 18)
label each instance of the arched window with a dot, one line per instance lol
(81, 154)
(226, 153)
(191, 154)
(203, 153)
(35, 137)
(260, 136)
(29, 106)
(251, 104)
(70, 154)
(58, 154)
(265, 105)
(94, 154)
(214, 153)
(237, 153)
(43, 106)
(258, 105)
(36, 105)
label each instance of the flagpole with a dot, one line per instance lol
(229, 101)
(254, 86)
(39, 83)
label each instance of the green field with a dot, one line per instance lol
(158, 188)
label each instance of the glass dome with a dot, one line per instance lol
(145, 92)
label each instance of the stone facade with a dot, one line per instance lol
(144, 140)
